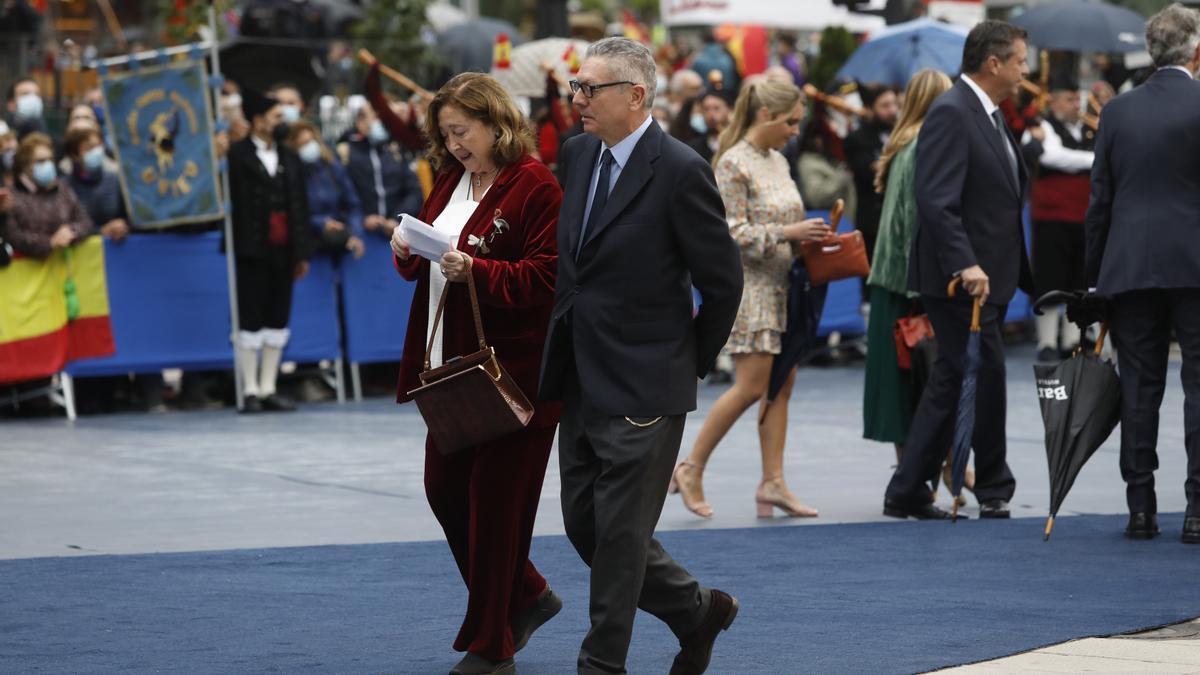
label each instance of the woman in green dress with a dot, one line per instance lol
(888, 402)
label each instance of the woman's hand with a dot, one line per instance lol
(811, 229)
(116, 229)
(63, 237)
(456, 265)
(355, 246)
(332, 225)
(400, 247)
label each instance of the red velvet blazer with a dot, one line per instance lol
(514, 280)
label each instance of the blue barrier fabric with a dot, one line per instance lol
(169, 303)
(376, 301)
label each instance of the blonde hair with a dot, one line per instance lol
(923, 89)
(777, 97)
(482, 98)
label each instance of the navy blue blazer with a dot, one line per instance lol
(968, 207)
(1143, 220)
(623, 315)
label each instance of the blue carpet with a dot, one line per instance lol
(879, 597)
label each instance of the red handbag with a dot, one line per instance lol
(909, 331)
(838, 256)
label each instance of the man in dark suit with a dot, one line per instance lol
(970, 189)
(863, 147)
(1143, 252)
(641, 223)
(271, 247)
(716, 107)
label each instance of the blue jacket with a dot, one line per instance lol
(332, 195)
(401, 191)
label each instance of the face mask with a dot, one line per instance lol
(280, 132)
(7, 159)
(310, 152)
(233, 100)
(698, 124)
(346, 63)
(93, 159)
(44, 173)
(291, 113)
(377, 133)
(29, 106)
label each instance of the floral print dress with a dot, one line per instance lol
(760, 198)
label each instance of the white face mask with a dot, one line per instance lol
(93, 160)
(29, 106)
(310, 152)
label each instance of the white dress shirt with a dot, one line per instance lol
(1059, 157)
(268, 154)
(621, 153)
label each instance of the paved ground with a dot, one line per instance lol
(348, 474)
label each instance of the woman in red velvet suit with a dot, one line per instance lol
(486, 497)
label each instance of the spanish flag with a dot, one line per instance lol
(54, 310)
(502, 53)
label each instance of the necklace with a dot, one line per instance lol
(477, 177)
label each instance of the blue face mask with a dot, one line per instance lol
(93, 160)
(378, 134)
(310, 152)
(698, 124)
(291, 113)
(44, 173)
(29, 106)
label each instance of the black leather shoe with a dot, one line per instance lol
(278, 403)
(251, 404)
(1191, 530)
(994, 508)
(532, 618)
(473, 664)
(894, 509)
(1142, 526)
(695, 650)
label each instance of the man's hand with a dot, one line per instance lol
(116, 229)
(976, 282)
(373, 223)
(400, 247)
(456, 265)
(388, 227)
(63, 237)
(332, 225)
(300, 270)
(355, 246)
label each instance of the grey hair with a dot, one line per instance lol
(1173, 35)
(628, 60)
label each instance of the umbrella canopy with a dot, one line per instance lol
(443, 15)
(260, 63)
(894, 55)
(468, 46)
(805, 304)
(525, 77)
(964, 419)
(1084, 26)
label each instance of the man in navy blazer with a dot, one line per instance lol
(642, 222)
(1143, 252)
(970, 185)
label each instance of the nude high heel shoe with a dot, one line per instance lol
(773, 494)
(686, 480)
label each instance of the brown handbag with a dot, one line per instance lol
(470, 399)
(836, 257)
(909, 331)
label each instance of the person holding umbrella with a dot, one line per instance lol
(1143, 243)
(970, 188)
(766, 218)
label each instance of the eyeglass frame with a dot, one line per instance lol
(577, 86)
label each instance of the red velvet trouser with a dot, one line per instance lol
(486, 500)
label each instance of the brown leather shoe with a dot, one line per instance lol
(695, 650)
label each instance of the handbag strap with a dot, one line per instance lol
(437, 317)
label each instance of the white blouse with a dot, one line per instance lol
(451, 221)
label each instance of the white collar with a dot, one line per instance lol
(989, 107)
(260, 144)
(1180, 69)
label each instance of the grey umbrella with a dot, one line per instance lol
(1084, 26)
(468, 46)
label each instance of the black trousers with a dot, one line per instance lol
(1141, 324)
(1058, 256)
(932, 429)
(264, 290)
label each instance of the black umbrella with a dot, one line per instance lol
(260, 63)
(805, 304)
(1084, 26)
(964, 419)
(1080, 400)
(469, 46)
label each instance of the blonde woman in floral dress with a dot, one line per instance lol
(766, 218)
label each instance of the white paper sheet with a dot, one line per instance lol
(423, 239)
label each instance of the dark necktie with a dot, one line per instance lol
(998, 119)
(599, 199)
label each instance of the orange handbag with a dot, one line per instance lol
(839, 256)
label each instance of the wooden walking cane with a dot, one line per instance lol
(396, 76)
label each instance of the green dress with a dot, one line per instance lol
(888, 403)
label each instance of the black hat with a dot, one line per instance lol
(254, 104)
(1064, 83)
(722, 94)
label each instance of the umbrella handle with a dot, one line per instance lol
(975, 310)
(1100, 338)
(1049, 528)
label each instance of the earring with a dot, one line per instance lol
(497, 134)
